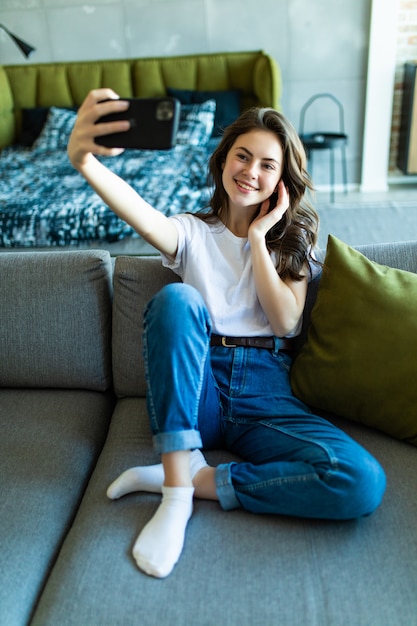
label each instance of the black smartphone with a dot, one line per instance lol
(153, 124)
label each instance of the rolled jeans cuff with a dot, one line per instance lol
(175, 441)
(224, 487)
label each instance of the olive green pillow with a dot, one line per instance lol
(360, 356)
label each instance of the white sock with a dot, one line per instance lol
(197, 462)
(149, 477)
(159, 545)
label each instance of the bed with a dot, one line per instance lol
(45, 204)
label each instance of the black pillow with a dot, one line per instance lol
(33, 121)
(228, 104)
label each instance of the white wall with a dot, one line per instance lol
(320, 45)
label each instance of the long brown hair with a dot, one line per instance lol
(293, 237)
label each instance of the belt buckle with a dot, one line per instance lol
(228, 345)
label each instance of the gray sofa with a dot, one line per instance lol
(73, 416)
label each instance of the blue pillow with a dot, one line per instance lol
(228, 104)
(196, 123)
(57, 129)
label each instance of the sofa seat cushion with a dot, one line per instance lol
(359, 360)
(50, 440)
(259, 569)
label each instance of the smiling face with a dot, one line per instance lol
(252, 170)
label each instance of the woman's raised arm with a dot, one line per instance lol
(152, 225)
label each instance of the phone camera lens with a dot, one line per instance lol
(164, 111)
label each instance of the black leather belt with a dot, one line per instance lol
(251, 342)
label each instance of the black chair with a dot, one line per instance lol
(325, 140)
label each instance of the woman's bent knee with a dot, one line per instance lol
(175, 299)
(366, 483)
(374, 485)
(176, 307)
(177, 292)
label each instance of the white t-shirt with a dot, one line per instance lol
(219, 265)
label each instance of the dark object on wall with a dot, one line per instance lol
(325, 140)
(407, 147)
(24, 47)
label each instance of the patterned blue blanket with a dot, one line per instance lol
(45, 202)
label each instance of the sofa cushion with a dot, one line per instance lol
(49, 444)
(55, 312)
(262, 570)
(136, 280)
(359, 358)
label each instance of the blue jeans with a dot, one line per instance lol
(240, 399)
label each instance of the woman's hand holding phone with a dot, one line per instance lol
(82, 143)
(153, 125)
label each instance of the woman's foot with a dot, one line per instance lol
(149, 477)
(159, 545)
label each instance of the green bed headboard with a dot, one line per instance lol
(255, 74)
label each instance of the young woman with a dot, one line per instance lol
(218, 345)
